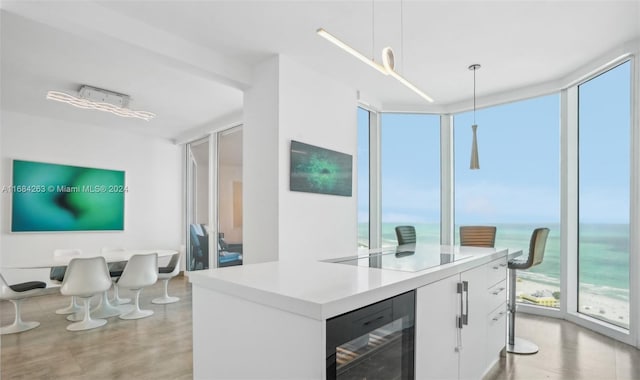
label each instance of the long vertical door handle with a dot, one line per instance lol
(460, 319)
(465, 289)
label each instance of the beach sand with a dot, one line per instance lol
(599, 306)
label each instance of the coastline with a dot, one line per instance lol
(597, 305)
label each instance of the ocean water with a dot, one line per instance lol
(603, 253)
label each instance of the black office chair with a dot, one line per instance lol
(536, 253)
(406, 235)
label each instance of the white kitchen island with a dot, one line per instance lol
(268, 321)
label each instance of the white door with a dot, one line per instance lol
(437, 338)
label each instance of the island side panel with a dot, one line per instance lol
(238, 339)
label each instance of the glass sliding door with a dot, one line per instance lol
(363, 178)
(410, 175)
(229, 197)
(198, 205)
(517, 187)
(604, 191)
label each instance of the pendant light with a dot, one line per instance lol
(387, 67)
(475, 162)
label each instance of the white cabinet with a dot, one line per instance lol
(474, 329)
(437, 338)
(459, 325)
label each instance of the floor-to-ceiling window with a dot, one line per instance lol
(410, 175)
(198, 204)
(363, 177)
(229, 194)
(517, 187)
(604, 184)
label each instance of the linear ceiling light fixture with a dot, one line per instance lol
(475, 162)
(102, 100)
(388, 63)
(339, 43)
(387, 59)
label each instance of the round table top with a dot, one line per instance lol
(110, 257)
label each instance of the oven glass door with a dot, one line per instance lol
(375, 342)
(376, 355)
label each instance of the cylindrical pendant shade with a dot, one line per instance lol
(475, 162)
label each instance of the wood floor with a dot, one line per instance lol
(157, 347)
(567, 351)
(160, 347)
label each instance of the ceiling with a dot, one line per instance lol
(188, 61)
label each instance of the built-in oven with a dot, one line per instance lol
(373, 342)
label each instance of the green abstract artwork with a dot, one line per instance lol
(52, 197)
(319, 170)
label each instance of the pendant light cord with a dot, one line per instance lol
(402, 36)
(373, 31)
(474, 96)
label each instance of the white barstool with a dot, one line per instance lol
(165, 274)
(16, 293)
(141, 271)
(86, 278)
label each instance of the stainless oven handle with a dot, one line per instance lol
(367, 323)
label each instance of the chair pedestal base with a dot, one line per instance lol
(105, 309)
(71, 309)
(165, 300)
(137, 314)
(522, 347)
(116, 297)
(17, 327)
(86, 324)
(516, 345)
(18, 324)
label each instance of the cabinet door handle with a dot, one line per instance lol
(498, 291)
(500, 314)
(460, 319)
(465, 289)
(503, 264)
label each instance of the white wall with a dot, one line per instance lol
(260, 155)
(153, 171)
(316, 110)
(291, 102)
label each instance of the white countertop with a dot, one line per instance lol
(322, 290)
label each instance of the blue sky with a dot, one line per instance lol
(518, 144)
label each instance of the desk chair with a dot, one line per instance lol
(16, 293)
(86, 278)
(406, 235)
(478, 236)
(536, 253)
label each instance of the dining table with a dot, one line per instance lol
(56, 261)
